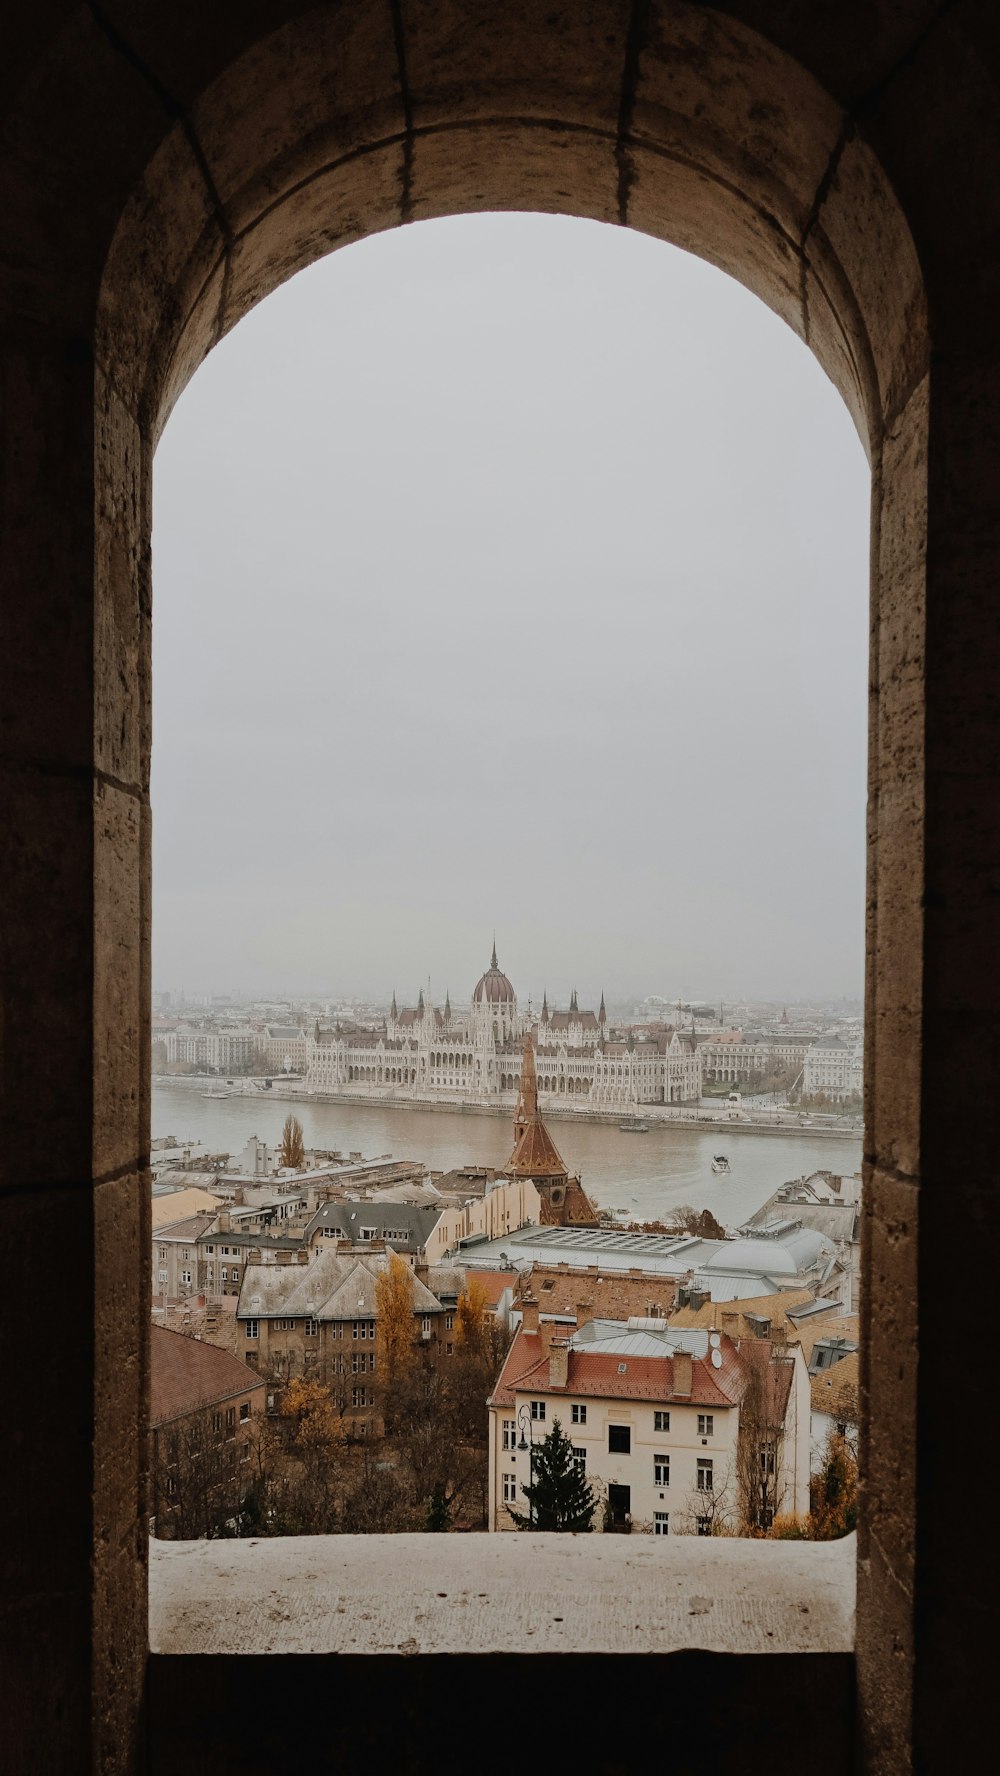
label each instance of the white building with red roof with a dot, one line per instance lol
(681, 1431)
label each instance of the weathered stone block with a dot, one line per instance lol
(297, 102)
(517, 166)
(568, 71)
(704, 215)
(119, 1138)
(337, 206)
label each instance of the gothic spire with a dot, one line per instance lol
(602, 1016)
(493, 959)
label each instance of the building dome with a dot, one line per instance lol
(493, 987)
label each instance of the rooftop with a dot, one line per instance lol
(187, 1374)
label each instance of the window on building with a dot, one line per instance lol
(312, 1328)
(244, 1411)
(449, 1322)
(510, 1489)
(185, 1276)
(580, 1457)
(230, 1421)
(661, 1470)
(578, 1414)
(538, 1410)
(217, 1421)
(704, 1526)
(162, 1276)
(661, 1523)
(253, 1328)
(706, 1424)
(361, 1397)
(225, 1274)
(705, 1470)
(619, 1439)
(661, 1421)
(509, 1433)
(767, 1455)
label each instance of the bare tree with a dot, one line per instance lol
(760, 1442)
(292, 1152)
(198, 1482)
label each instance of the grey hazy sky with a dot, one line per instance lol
(510, 571)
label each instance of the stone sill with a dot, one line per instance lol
(512, 1593)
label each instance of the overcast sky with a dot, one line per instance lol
(510, 571)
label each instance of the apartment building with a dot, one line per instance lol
(659, 1420)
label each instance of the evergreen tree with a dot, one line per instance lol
(559, 1495)
(439, 1513)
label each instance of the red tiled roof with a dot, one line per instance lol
(492, 1283)
(597, 1374)
(187, 1374)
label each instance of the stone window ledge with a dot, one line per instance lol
(501, 1594)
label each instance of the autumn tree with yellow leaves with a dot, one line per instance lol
(393, 1330)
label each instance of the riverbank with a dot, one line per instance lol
(646, 1176)
(780, 1123)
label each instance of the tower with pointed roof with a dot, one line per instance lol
(536, 1156)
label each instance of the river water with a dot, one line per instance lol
(645, 1175)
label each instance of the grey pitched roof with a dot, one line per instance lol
(329, 1287)
(405, 1225)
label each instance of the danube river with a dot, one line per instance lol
(645, 1175)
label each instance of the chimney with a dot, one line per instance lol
(253, 1255)
(559, 1362)
(682, 1374)
(529, 1315)
(302, 1255)
(238, 1196)
(584, 1312)
(225, 1221)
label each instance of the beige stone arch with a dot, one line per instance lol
(164, 169)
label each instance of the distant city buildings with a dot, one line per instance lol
(584, 1058)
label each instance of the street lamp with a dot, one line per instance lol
(526, 1446)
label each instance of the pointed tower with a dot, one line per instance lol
(420, 1003)
(545, 1007)
(564, 1202)
(447, 1006)
(602, 1016)
(573, 1006)
(535, 1153)
(395, 1013)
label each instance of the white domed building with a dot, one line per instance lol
(494, 1008)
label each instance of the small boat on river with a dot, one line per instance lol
(721, 1164)
(634, 1125)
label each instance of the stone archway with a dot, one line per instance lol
(172, 172)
